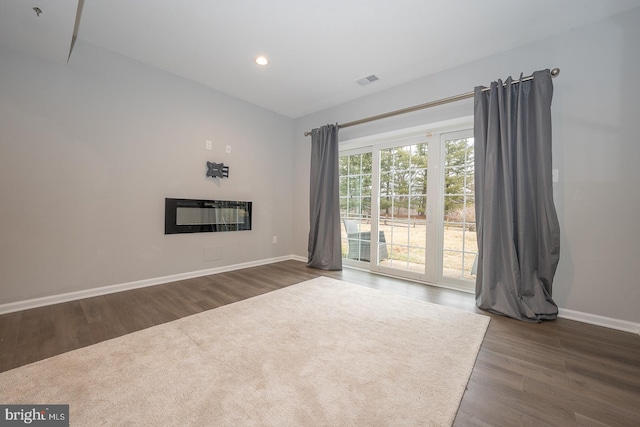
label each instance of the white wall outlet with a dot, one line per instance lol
(228, 149)
(275, 239)
(208, 145)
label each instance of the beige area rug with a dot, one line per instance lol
(320, 353)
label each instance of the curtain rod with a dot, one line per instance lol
(455, 98)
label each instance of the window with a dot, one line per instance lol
(410, 195)
(460, 246)
(355, 205)
(403, 205)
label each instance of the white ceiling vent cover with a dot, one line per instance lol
(367, 80)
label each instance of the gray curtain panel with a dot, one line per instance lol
(324, 205)
(517, 226)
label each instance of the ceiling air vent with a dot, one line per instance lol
(367, 80)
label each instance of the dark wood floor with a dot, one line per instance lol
(559, 373)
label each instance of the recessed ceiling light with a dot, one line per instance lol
(262, 60)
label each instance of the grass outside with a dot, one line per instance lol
(406, 248)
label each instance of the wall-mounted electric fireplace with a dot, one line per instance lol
(201, 216)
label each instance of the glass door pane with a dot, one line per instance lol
(355, 206)
(459, 244)
(402, 208)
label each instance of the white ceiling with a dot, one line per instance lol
(48, 36)
(317, 48)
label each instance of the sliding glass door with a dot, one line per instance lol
(408, 210)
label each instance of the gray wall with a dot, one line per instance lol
(89, 151)
(596, 109)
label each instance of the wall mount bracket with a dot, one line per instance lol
(217, 170)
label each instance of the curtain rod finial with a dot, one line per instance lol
(555, 72)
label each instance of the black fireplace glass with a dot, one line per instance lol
(202, 216)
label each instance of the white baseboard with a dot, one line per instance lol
(104, 290)
(594, 319)
(298, 258)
